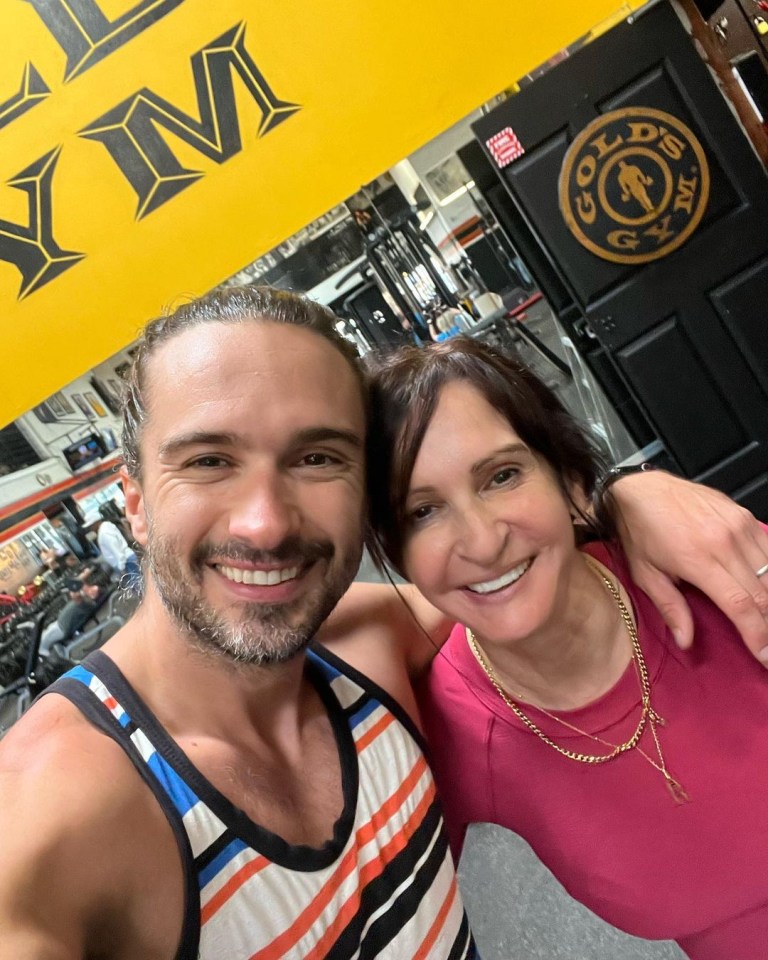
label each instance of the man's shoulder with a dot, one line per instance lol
(53, 757)
(64, 784)
(78, 830)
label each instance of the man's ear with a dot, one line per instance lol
(134, 507)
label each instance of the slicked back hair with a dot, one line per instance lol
(230, 305)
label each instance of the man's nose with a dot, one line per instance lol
(263, 512)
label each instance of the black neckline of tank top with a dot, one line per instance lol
(298, 857)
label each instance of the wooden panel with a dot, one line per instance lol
(685, 404)
(742, 304)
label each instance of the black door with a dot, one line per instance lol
(647, 200)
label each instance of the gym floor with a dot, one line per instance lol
(519, 911)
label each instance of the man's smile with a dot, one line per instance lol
(259, 578)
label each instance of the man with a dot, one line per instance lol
(72, 536)
(206, 786)
(82, 604)
(115, 551)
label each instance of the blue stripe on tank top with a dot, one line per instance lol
(85, 677)
(182, 796)
(362, 713)
(218, 863)
(81, 674)
(330, 672)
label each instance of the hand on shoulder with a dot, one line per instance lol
(673, 529)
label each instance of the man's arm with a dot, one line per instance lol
(673, 529)
(45, 881)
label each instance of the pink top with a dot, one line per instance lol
(612, 834)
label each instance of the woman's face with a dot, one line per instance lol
(490, 537)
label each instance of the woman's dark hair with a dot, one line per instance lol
(404, 390)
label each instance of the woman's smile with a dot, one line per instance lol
(501, 582)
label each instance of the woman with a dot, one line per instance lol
(560, 706)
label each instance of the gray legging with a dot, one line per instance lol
(52, 634)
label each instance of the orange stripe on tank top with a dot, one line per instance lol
(434, 931)
(364, 835)
(368, 873)
(231, 887)
(370, 735)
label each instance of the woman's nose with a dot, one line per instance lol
(482, 534)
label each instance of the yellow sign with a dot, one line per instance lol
(17, 567)
(634, 185)
(149, 149)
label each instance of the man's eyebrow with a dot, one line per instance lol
(202, 438)
(322, 434)
(198, 438)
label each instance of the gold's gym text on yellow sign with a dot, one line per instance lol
(149, 149)
(130, 131)
(634, 185)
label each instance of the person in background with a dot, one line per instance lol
(54, 566)
(115, 551)
(81, 606)
(64, 565)
(69, 531)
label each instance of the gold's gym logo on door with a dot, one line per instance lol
(634, 185)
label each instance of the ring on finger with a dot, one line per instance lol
(762, 570)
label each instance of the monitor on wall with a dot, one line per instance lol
(84, 451)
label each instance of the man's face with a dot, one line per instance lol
(251, 498)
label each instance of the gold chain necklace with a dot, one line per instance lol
(648, 716)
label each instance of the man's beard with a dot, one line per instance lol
(263, 633)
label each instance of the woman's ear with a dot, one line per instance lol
(578, 502)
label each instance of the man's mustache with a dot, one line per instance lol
(292, 552)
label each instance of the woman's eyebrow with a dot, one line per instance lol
(480, 465)
(477, 467)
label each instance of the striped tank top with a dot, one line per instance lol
(383, 886)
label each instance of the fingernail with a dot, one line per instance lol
(762, 655)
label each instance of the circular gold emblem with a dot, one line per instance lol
(634, 185)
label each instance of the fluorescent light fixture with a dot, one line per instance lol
(457, 193)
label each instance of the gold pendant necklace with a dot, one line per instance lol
(648, 716)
